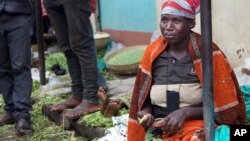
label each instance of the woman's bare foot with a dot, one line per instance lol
(109, 107)
(113, 107)
(103, 98)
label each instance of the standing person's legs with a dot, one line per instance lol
(82, 44)
(6, 77)
(58, 20)
(17, 34)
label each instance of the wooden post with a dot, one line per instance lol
(207, 67)
(39, 33)
(97, 17)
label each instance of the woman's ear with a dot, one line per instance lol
(191, 23)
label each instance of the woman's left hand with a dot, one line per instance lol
(172, 123)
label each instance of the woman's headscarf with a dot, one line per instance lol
(184, 8)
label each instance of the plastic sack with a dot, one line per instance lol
(243, 73)
(222, 133)
(113, 46)
(246, 93)
(101, 65)
(119, 131)
(155, 36)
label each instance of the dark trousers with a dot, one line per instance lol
(70, 20)
(15, 56)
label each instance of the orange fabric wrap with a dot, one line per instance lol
(136, 132)
(188, 132)
(228, 100)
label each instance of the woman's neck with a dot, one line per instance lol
(180, 49)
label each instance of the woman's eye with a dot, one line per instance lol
(177, 21)
(164, 20)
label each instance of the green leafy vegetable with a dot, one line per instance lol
(127, 57)
(56, 58)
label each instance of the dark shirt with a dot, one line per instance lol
(169, 70)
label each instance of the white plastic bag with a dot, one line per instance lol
(114, 47)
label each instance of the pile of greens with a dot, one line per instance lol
(98, 120)
(56, 58)
(44, 128)
(127, 57)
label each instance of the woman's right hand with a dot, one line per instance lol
(145, 119)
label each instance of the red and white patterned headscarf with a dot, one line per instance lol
(184, 8)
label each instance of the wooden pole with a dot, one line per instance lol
(39, 32)
(98, 17)
(208, 103)
(207, 67)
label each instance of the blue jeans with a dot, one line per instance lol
(15, 55)
(70, 20)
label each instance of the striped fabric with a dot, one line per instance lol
(183, 8)
(190, 94)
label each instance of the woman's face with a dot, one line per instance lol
(175, 28)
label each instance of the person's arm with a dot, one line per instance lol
(147, 106)
(193, 112)
(173, 122)
(144, 116)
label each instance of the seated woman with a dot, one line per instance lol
(167, 97)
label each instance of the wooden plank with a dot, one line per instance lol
(88, 131)
(56, 117)
(82, 128)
